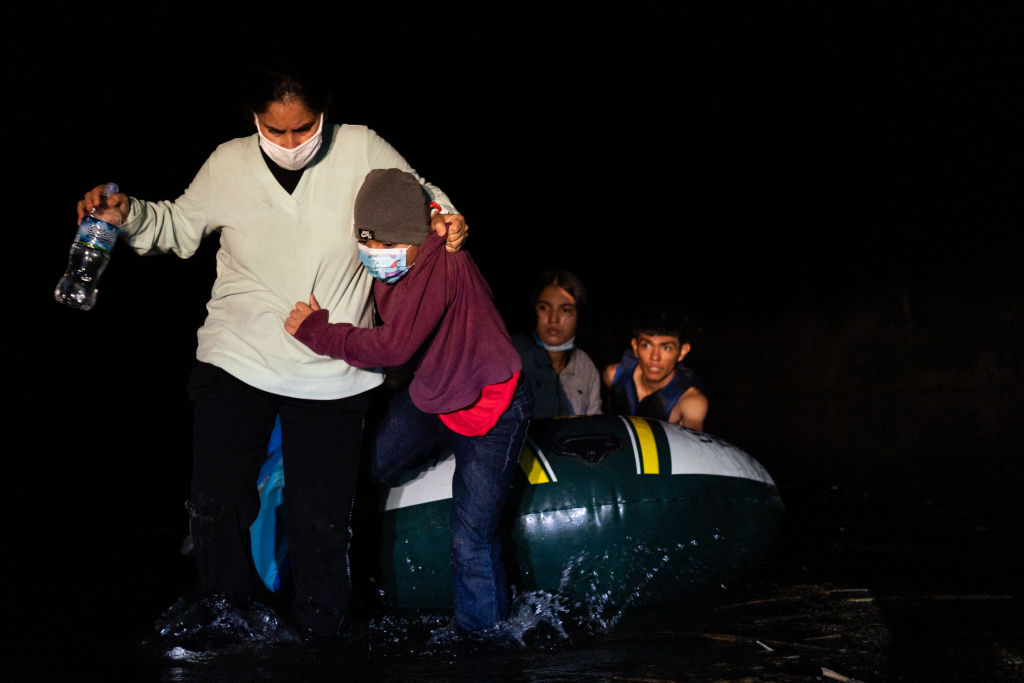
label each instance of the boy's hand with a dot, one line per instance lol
(299, 314)
(454, 225)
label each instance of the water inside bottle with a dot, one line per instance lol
(77, 288)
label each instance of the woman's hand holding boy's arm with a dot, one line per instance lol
(452, 224)
(299, 314)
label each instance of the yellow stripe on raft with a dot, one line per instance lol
(648, 447)
(530, 464)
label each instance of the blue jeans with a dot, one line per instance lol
(484, 469)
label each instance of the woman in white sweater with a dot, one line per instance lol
(281, 200)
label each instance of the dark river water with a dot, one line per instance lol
(900, 558)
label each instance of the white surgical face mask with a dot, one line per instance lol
(561, 347)
(387, 265)
(296, 158)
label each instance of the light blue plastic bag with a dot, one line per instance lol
(267, 533)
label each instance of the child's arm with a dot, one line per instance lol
(388, 345)
(407, 328)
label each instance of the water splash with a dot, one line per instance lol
(182, 654)
(412, 635)
(540, 615)
(604, 583)
(196, 628)
(598, 587)
(536, 621)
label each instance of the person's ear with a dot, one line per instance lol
(683, 350)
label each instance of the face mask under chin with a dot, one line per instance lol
(568, 345)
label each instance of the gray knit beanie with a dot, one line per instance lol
(391, 206)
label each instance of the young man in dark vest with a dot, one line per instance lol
(650, 380)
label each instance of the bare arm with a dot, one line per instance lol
(690, 410)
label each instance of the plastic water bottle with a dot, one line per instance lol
(90, 253)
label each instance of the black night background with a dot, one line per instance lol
(832, 194)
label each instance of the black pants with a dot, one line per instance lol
(321, 445)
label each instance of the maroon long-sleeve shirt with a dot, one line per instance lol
(442, 314)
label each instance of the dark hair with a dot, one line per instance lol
(662, 322)
(571, 284)
(268, 83)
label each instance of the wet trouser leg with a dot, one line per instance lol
(319, 493)
(484, 468)
(231, 427)
(320, 443)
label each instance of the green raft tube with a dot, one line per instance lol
(622, 508)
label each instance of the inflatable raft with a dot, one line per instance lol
(604, 504)
(635, 508)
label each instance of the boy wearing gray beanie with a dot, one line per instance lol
(465, 392)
